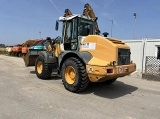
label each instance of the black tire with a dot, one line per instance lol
(81, 78)
(108, 82)
(20, 55)
(46, 71)
(16, 54)
(24, 54)
(12, 54)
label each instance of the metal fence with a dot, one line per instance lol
(152, 65)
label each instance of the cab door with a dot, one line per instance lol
(70, 35)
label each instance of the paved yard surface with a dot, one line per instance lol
(24, 96)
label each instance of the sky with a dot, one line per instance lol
(21, 20)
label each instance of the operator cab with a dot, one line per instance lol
(72, 27)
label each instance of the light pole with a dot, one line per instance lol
(111, 26)
(40, 34)
(134, 31)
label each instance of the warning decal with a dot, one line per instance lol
(88, 46)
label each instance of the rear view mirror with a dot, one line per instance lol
(57, 25)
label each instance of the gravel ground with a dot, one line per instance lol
(24, 96)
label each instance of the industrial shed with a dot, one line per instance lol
(146, 54)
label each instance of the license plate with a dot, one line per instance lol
(120, 69)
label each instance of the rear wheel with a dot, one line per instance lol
(42, 69)
(74, 76)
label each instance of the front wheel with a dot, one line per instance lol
(74, 76)
(42, 69)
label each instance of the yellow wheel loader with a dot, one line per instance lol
(81, 56)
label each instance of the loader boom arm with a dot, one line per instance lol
(88, 11)
(67, 12)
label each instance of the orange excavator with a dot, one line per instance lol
(32, 54)
(28, 44)
(25, 50)
(16, 50)
(21, 49)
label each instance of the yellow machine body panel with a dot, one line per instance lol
(103, 73)
(103, 50)
(103, 65)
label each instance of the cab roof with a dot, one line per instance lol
(62, 18)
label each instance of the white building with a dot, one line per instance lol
(142, 48)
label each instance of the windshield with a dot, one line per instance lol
(85, 27)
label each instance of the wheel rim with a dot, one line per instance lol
(39, 67)
(70, 75)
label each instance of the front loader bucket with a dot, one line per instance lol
(29, 60)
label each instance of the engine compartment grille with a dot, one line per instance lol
(123, 56)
